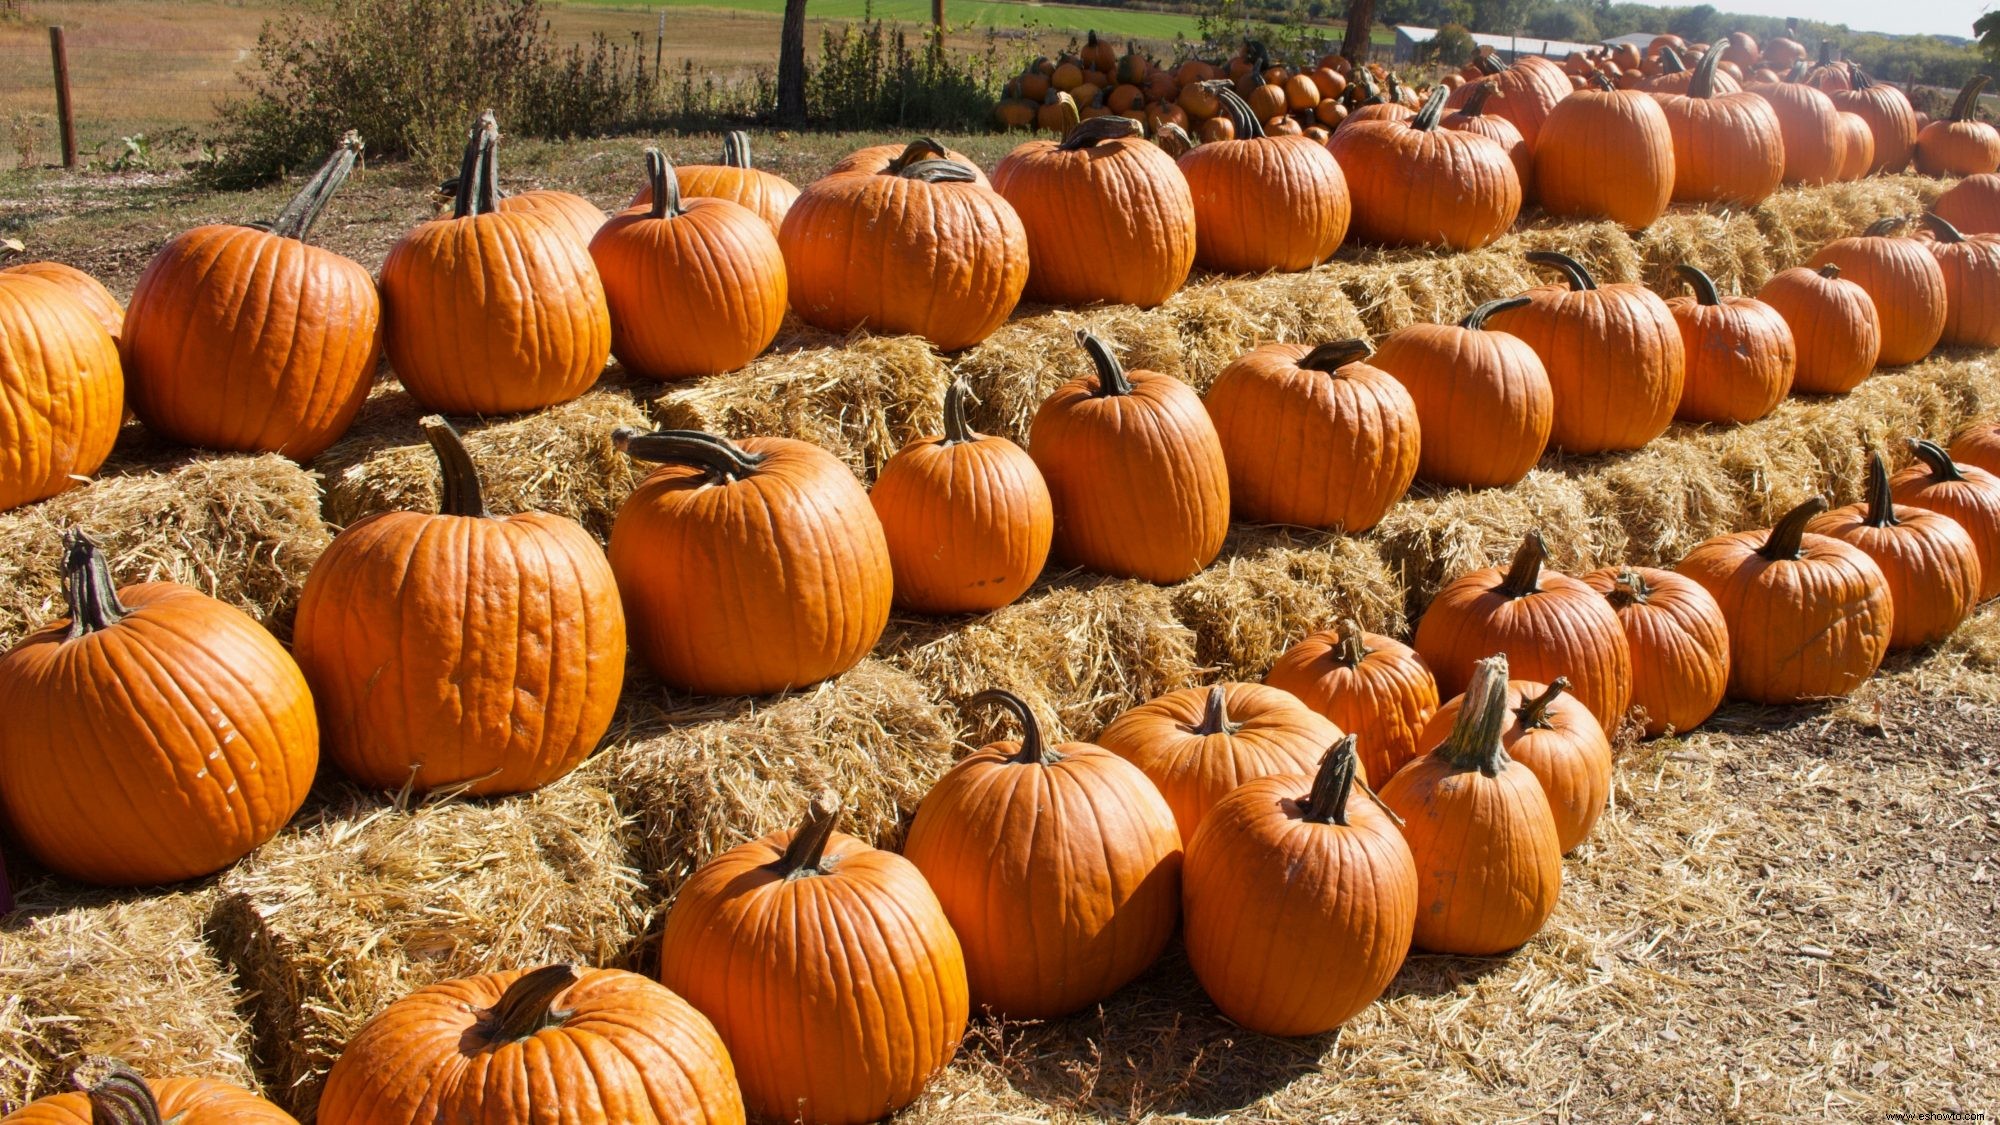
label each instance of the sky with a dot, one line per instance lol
(1898, 17)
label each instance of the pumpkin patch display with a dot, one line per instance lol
(62, 390)
(112, 1094)
(196, 709)
(1728, 146)
(1815, 146)
(1977, 444)
(1262, 202)
(1414, 184)
(1348, 445)
(249, 339)
(1931, 564)
(1605, 153)
(1058, 866)
(1835, 330)
(1301, 897)
(747, 568)
(1678, 641)
(1971, 269)
(892, 159)
(1891, 121)
(1904, 281)
(1559, 741)
(1483, 401)
(1369, 685)
(462, 648)
(783, 941)
(1960, 144)
(1740, 355)
(1967, 494)
(768, 195)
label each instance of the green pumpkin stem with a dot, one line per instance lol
(1787, 539)
(1240, 115)
(478, 191)
(1476, 319)
(1352, 648)
(921, 149)
(1426, 119)
(118, 1096)
(736, 149)
(1475, 102)
(1330, 357)
(956, 428)
(1941, 228)
(1489, 65)
(1702, 85)
(939, 172)
(1935, 459)
(89, 587)
(665, 184)
(718, 455)
(1097, 130)
(1111, 378)
(1215, 714)
(1332, 785)
(1968, 98)
(297, 219)
(460, 493)
(1572, 270)
(1534, 713)
(1602, 83)
(1032, 751)
(1703, 285)
(1671, 61)
(529, 1004)
(1474, 741)
(1524, 574)
(1881, 501)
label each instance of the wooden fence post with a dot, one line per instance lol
(65, 110)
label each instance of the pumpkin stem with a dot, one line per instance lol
(1097, 130)
(1858, 78)
(1534, 713)
(718, 455)
(1353, 646)
(1111, 378)
(1579, 278)
(1702, 284)
(89, 587)
(297, 219)
(461, 494)
(1489, 65)
(479, 170)
(1602, 83)
(1671, 61)
(529, 1004)
(1427, 117)
(1881, 501)
(1476, 319)
(736, 149)
(956, 428)
(1968, 98)
(805, 855)
(1475, 102)
(666, 185)
(1474, 741)
(923, 148)
(1173, 140)
(1786, 540)
(1240, 115)
(1826, 52)
(1884, 225)
(1327, 803)
(1702, 85)
(939, 172)
(1215, 714)
(118, 1096)
(1797, 74)
(1629, 588)
(1935, 459)
(1941, 227)
(1032, 751)
(1524, 574)
(1829, 271)
(1330, 357)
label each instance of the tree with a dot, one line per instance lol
(1567, 22)
(1987, 27)
(1360, 25)
(1698, 24)
(1452, 46)
(792, 64)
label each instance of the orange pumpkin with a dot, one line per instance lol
(78, 284)
(1471, 117)
(1728, 146)
(1857, 146)
(1483, 402)
(1834, 326)
(1414, 184)
(1814, 143)
(1902, 278)
(1891, 121)
(1526, 91)
(1960, 144)
(1678, 641)
(1966, 493)
(1971, 269)
(1369, 685)
(1931, 564)
(570, 212)
(114, 1095)
(1559, 740)
(1740, 355)
(766, 194)
(62, 390)
(1264, 203)
(1972, 204)
(1606, 154)
(1978, 444)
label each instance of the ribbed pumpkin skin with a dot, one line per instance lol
(1679, 645)
(1929, 561)
(1973, 502)
(1525, 93)
(1958, 148)
(838, 994)
(945, 261)
(766, 194)
(1814, 143)
(1906, 284)
(495, 313)
(1857, 147)
(627, 1050)
(62, 390)
(1139, 482)
(1606, 154)
(1971, 270)
(1740, 359)
(1504, 133)
(693, 294)
(1728, 148)
(1614, 361)
(80, 285)
(1891, 121)
(745, 587)
(873, 160)
(1972, 204)
(1061, 878)
(1834, 326)
(1269, 203)
(1567, 752)
(1978, 445)
(1425, 187)
(1270, 733)
(1294, 926)
(196, 711)
(183, 1101)
(451, 649)
(1113, 222)
(968, 524)
(572, 212)
(1384, 701)
(1483, 401)
(1313, 448)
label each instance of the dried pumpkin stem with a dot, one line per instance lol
(479, 170)
(1475, 102)
(1327, 803)
(1215, 714)
(1629, 588)
(718, 455)
(89, 587)
(461, 493)
(1881, 501)
(1032, 751)
(1703, 285)
(1330, 357)
(939, 172)
(118, 1096)
(1968, 98)
(1097, 130)
(1702, 85)
(956, 428)
(1353, 646)
(1884, 226)
(529, 1004)
(1241, 117)
(1172, 139)
(1476, 319)
(736, 149)
(1829, 271)
(1534, 713)
(1524, 574)
(1671, 61)
(665, 184)
(1941, 228)
(1572, 270)
(1474, 741)
(1427, 118)
(297, 219)
(1489, 65)
(1787, 539)
(1935, 459)
(921, 149)
(1111, 378)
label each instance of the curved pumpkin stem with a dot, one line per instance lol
(939, 172)
(1474, 741)
(1215, 714)
(1476, 319)
(1858, 78)
(461, 494)
(1671, 61)
(1330, 357)
(718, 455)
(1968, 98)
(1111, 378)
(529, 1004)
(956, 429)
(297, 219)
(1572, 270)
(1032, 751)
(1702, 284)
(1702, 85)
(118, 1096)
(1935, 459)
(478, 190)
(736, 149)
(1629, 588)
(88, 586)
(1240, 115)
(923, 148)
(1427, 117)
(1881, 501)
(806, 854)
(666, 185)
(1534, 713)
(1884, 226)
(1524, 574)
(1097, 130)
(1489, 65)
(1602, 83)
(1327, 803)
(1173, 139)
(1353, 646)
(1787, 539)
(1475, 102)
(1797, 74)
(1941, 228)
(1829, 271)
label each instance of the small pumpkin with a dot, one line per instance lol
(1559, 740)
(1740, 355)
(1525, 91)
(1728, 146)
(1857, 146)
(520, 1045)
(1891, 120)
(1835, 330)
(1902, 278)
(78, 284)
(113, 1094)
(62, 390)
(736, 179)
(1809, 616)
(1483, 401)
(1972, 204)
(1966, 493)
(1931, 564)
(1489, 860)
(1414, 184)
(1471, 117)
(1971, 269)
(1960, 144)
(1300, 900)
(1264, 203)
(1374, 687)
(1678, 640)
(1606, 154)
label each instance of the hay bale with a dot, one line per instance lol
(84, 974)
(328, 924)
(242, 529)
(1797, 221)
(707, 775)
(1603, 247)
(1273, 585)
(558, 460)
(1725, 244)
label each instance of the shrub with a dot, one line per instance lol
(869, 77)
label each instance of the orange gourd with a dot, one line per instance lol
(1930, 563)
(113, 1095)
(1728, 146)
(1483, 402)
(1902, 278)
(1414, 184)
(1264, 203)
(1960, 144)
(1678, 640)
(1835, 331)
(1972, 204)
(62, 390)
(1966, 493)
(1740, 355)
(1374, 687)
(736, 179)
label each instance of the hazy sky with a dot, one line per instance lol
(1902, 17)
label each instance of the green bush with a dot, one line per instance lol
(870, 77)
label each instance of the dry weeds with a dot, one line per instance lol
(1274, 585)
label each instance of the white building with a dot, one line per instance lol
(1508, 47)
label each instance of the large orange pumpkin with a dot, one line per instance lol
(1136, 471)
(85, 288)
(1971, 269)
(1559, 740)
(1606, 154)
(1314, 437)
(493, 311)
(1549, 624)
(1264, 203)
(1814, 143)
(1977, 444)
(828, 967)
(1058, 866)
(1902, 278)
(1891, 120)
(1972, 204)
(1809, 616)
(1471, 117)
(1414, 184)
(1489, 861)
(1857, 146)
(1483, 401)
(1525, 91)
(114, 1095)
(1613, 355)
(748, 568)
(62, 390)
(154, 736)
(1300, 900)
(1374, 687)
(558, 1041)
(767, 194)
(1740, 355)
(1835, 330)
(1966, 493)
(1108, 215)
(1960, 144)
(1728, 146)
(1678, 640)
(1931, 564)
(461, 649)
(245, 338)
(570, 212)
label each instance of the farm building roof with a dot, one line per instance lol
(1505, 45)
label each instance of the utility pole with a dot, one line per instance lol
(65, 109)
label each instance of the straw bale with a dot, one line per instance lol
(242, 529)
(1724, 243)
(701, 776)
(1603, 247)
(558, 460)
(1797, 221)
(99, 972)
(371, 899)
